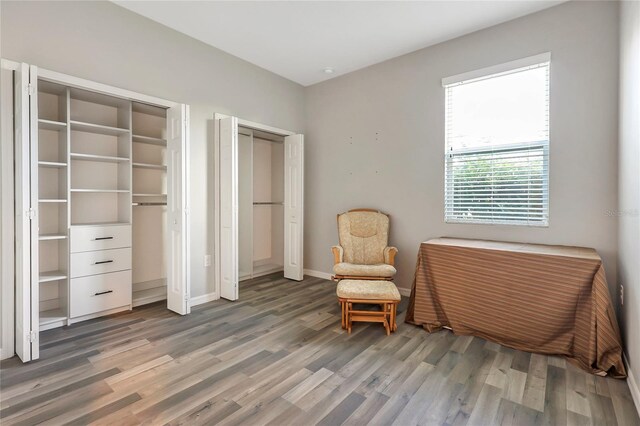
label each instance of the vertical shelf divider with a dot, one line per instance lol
(68, 194)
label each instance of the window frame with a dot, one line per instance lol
(497, 71)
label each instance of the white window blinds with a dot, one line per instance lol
(497, 147)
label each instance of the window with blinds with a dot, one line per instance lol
(497, 146)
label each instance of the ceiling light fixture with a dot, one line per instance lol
(328, 70)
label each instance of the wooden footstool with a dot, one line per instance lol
(383, 293)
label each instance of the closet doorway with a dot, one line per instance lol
(259, 218)
(101, 202)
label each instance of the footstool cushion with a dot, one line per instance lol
(367, 289)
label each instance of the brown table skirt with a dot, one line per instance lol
(545, 299)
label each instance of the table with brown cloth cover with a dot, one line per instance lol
(545, 299)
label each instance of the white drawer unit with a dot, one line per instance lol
(100, 262)
(90, 238)
(97, 293)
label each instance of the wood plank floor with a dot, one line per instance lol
(278, 356)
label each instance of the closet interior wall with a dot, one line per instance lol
(261, 203)
(149, 224)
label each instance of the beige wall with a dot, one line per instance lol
(629, 180)
(375, 137)
(105, 43)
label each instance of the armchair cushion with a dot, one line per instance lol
(350, 269)
(363, 236)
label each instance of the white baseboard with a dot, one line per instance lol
(406, 292)
(199, 300)
(633, 384)
(317, 274)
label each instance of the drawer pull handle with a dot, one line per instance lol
(103, 238)
(103, 261)
(103, 292)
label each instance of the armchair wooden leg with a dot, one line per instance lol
(386, 326)
(395, 315)
(394, 326)
(392, 315)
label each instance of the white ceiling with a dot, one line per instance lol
(298, 39)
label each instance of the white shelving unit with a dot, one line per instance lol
(53, 209)
(75, 186)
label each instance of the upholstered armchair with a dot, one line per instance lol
(363, 252)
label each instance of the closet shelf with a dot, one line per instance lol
(52, 164)
(52, 316)
(149, 140)
(97, 128)
(143, 297)
(51, 125)
(99, 223)
(149, 195)
(148, 204)
(98, 158)
(52, 200)
(149, 166)
(105, 191)
(148, 109)
(52, 276)
(48, 237)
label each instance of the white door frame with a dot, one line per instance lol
(7, 283)
(216, 164)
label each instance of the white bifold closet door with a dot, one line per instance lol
(293, 206)
(26, 209)
(228, 140)
(178, 248)
(229, 196)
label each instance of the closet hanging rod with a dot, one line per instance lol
(148, 204)
(267, 203)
